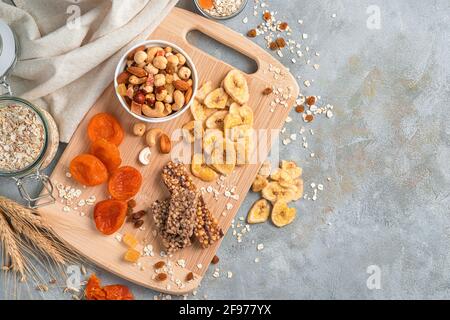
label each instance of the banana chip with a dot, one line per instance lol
(236, 86)
(275, 192)
(259, 212)
(202, 171)
(216, 99)
(282, 215)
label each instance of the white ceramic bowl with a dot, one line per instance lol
(157, 43)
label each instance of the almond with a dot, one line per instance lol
(138, 72)
(189, 276)
(181, 85)
(123, 77)
(165, 145)
(188, 95)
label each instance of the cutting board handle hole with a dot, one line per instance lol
(221, 51)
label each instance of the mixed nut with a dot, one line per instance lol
(156, 81)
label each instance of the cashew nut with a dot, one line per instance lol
(151, 136)
(144, 156)
(160, 96)
(156, 112)
(167, 109)
(178, 97)
(135, 80)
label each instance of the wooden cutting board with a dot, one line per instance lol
(79, 231)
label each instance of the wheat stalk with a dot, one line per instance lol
(27, 239)
(11, 248)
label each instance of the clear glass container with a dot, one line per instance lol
(48, 149)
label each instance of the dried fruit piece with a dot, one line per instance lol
(212, 139)
(93, 289)
(159, 265)
(224, 160)
(231, 120)
(192, 131)
(281, 43)
(273, 46)
(236, 86)
(108, 153)
(309, 118)
(259, 212)
(297, 188)
(124, 183)
(200, 112)
(267, 91)
(123, 77)
(259, 183)
(88, 170)
(216, 99)
(131, 203)
(215, 260)
(274, 192)
(311, 100)
(161, 276)
(109, 215)
(216, 120)
(292, 168)
(130, 240)
(202, 171)
(283, 177)
(300, 108)
(118, 292)
(132, 255)
(104, 125)
(245, 112)
(251, 33)
(204, 91)
(283, 26)
(190, 276)
(282, 215)
(267, 16)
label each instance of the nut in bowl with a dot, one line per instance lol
(155, 81)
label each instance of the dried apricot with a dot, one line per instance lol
(108, 153)
(88, 170)
(94, 291)
(125, 183)
(104, 125)
(118, 292)
(109, 215)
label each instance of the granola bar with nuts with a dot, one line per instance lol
(207, 230)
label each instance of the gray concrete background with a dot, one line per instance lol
(387, 151)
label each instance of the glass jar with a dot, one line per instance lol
(49, 135)
(47, 152)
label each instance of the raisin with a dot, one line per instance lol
(273, 46)
(215, 260)
(251, 33)
(189, 276)
(159, 264)
(309, 117)
(283, 26)
(281, 43)
(138, 224)
(267, 16)
(161, 276)
(311, 100)
(267, 91)
(138, 215)
(300, 108)
(131, 203)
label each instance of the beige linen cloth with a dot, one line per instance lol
(66, 63)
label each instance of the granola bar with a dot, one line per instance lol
(207, 230)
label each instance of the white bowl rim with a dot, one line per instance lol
(150, 43)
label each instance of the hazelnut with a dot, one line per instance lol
(181, 59)
(139, 97)
(160, 80)
(140, 57)
(173, 60)
(184, 73)
(160, 62)
(139, 129)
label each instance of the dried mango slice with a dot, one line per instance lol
(130, 240)
(132, 255)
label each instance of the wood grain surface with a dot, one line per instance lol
(80, 232)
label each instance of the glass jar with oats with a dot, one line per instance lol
(29, 141)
